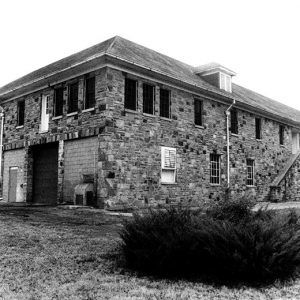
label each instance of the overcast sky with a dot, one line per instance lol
(259, 40)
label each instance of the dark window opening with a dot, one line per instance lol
(198, 107)
(214, 168)
(130, 94)
(73, 98)
(234, 121)
(165, 103)
(148, 99)
(281, 135)
(58, 101)
(89, 93)
(258, 128)
(21, 113)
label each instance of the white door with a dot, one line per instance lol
(45, 113)
(295, 142)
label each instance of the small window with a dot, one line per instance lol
(214, 168)
(250, 172)
(281, 135)
(21, 113)
(58, 101)
(234, 121)
(148, 99)
(225, 82)
(168, 165)
(165, 103)
(130, 94)
(198, 108)
(73, 98)
(258, 128)
(89, 93)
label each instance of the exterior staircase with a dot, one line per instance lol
(286, 181)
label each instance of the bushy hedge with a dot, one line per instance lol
(233, 244)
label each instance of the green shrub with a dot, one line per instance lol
(181, 243)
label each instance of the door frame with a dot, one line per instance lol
(45, 113)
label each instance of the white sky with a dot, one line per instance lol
(258, 39)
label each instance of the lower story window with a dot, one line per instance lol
(168, 165)
(250, 172)
(215, 169)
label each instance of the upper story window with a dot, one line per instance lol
(198, 109)
(130, 94)
(168, 165)
(258, 128)
(58, 101)
(250, 172)
(148, 98)
(89, 99)
(215, 170)
(21, 113)
(73, 97)
(234, 125)
(225, 82)
(165, 103)
(281, 134)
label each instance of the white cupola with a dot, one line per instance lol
(216, 75)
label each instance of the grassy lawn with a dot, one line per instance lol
(54, 253)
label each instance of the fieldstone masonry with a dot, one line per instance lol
(127, 146)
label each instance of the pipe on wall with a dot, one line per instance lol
(1, 142)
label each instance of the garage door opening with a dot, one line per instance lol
(45, 173)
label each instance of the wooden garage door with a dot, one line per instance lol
(45, 170)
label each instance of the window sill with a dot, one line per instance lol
(72, 114)
(259, 140)
(56, 118)
(199, 126)
(215, 184)
(250, 186)
(168, 183)
(234, 134)
(149, 115)
(166, 119)
(88, 109)
(44, 131)
(131, 111)
(20, 126)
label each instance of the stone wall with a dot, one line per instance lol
(131, 153)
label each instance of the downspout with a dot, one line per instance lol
(1, 143)
(227, 112)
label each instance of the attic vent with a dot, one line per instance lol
(216, 75)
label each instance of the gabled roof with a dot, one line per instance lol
(124, 50)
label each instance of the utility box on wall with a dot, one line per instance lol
(84, 194)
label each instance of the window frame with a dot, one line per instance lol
(168, 168)
(88, 104)
(234, 121)
(258, 128)
(20, 121)
(74, 109)
(225, 82)
(198, 116)
(127, 101)
(250, 165)
(145, 100)
(215, 169)
(55, 106)
(161, 104)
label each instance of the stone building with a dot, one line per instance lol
(147, 129)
